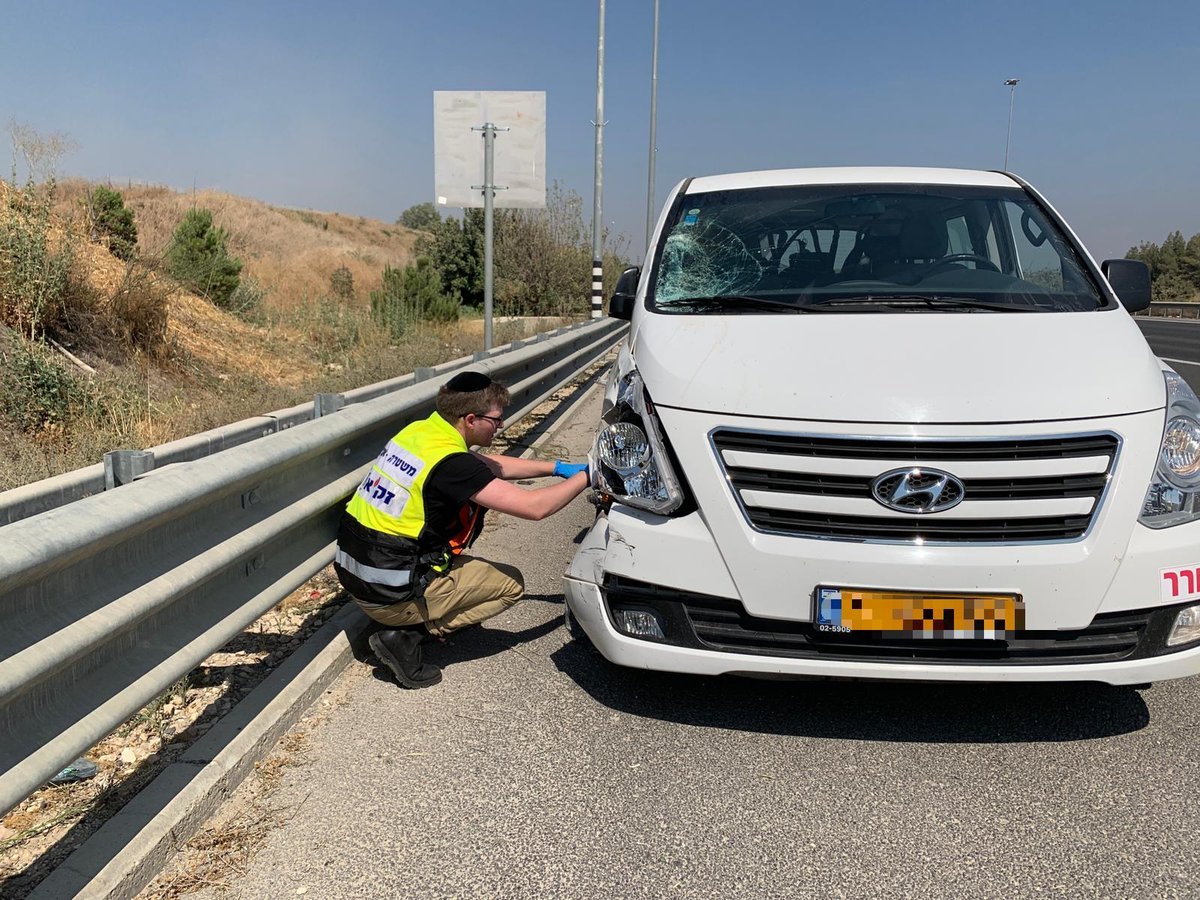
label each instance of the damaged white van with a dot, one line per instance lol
(889, 423)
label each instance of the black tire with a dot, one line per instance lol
(575, 630)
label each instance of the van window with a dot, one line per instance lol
(1037, 259)
(836, 245)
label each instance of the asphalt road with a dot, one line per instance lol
(536, 769)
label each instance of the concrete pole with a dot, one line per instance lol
(653, 131)
(597, 203)
(489, 201)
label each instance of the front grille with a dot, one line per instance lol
(712, 623)
(919, 450)
(929, 529)
(1052, 488)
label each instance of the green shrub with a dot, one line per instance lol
(112, 222)
(341, 283)
(36, 389)
(35, 268)
(198, 259)
(409, 295)
(246, 301)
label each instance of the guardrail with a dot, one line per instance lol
(122, 466)
(108, 601)
(1173, 310)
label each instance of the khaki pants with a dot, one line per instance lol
(473, 590)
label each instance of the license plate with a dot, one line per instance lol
(913, 614)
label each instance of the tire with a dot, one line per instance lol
(575, 630)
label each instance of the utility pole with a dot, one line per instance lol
(1012, 96)
(597, 203)
(653, 131)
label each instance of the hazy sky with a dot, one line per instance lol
(329, 105)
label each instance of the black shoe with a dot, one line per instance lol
(400, 651)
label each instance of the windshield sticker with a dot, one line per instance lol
(692, 217)
(706, 260)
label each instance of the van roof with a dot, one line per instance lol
(849, 175)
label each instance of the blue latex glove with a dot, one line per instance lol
(565, 469)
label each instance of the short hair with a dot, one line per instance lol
(470, 393)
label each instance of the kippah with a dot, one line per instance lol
(468, 382)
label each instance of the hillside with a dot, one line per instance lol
(131, 359)
(290, 253)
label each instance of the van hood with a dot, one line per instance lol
(941, 368)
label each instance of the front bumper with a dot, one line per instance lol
(709, 630)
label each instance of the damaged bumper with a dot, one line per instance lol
(669, 571)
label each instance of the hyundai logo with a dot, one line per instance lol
(917, 490)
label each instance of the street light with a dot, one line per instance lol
(653, 129)
(1012, 96)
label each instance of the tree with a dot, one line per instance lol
(198, 259)
(1174, 266)
(422, 217)
(455, 250)
(543, 256)
(112, 221)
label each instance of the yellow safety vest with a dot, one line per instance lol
(391, 498)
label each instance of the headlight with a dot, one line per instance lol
(624, 447)
(631, 456)
(1174, 494)
(1181, 452)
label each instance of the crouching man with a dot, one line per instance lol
(401, 539)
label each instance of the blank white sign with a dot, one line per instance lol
(520, 152)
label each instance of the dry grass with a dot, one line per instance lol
(291, 253)
(221, 851)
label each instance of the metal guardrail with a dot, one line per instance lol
(1173, 310)
(121, 467)
(108, 601)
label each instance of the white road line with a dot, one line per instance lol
(1186, 362)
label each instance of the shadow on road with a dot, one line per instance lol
(474, 642)
(925, 712)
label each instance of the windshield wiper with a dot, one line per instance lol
(734, 303)
(925, 300)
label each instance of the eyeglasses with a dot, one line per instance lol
(496, 421)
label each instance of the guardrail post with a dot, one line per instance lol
(327, 404)
(480, 355)
(423, 373)
(123, 466)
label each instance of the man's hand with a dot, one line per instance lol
(564, 469)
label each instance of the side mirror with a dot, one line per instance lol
(620, 306)
(1130, 280)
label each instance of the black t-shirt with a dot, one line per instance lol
(449, 486)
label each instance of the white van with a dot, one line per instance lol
(889, 423)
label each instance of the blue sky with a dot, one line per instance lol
(329, 106)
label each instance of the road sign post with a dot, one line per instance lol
(462, 179)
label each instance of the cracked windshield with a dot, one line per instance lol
(848, 249)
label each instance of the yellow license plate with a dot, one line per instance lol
(914, 614)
